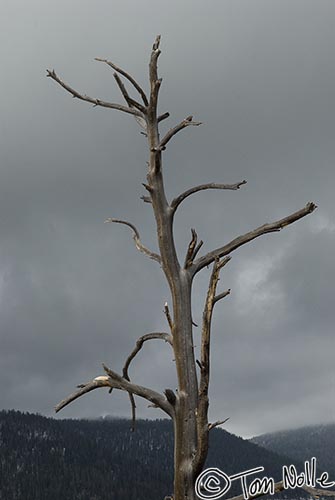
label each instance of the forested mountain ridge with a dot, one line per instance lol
(47, 459)
(303, 443)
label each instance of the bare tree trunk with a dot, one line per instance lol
(188, 406)
(185, 418)
(180, 281)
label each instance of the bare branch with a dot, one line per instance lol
(162, 117)
(115, 381)
(147, 187)
(133, 411)
(122, 88)
(173, 131)
(97, 102)
(177, 201)
(202, 417)
(221, 296)
(144, 392)
(207, 320)
(97, 383)
(245, 238)
(217, 423)
(168, 316)
(223, 262)
(170, 396)
(190, 251)
(139, 344)
(136, 238)
(128, 77)
(146, 199)
(155, 82)
(197, 248)
(131, 102)
(155, 46)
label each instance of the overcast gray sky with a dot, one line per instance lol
(74, 292)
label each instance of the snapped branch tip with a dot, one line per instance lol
(311, 206)
(156, 42)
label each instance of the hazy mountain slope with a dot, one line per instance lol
(302, 444)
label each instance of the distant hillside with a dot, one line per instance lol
(47, 459)
(302, 444)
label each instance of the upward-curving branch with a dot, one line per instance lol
(211, 185)
(245, 238)
(139, 344)
(137, 240)
(187, 122)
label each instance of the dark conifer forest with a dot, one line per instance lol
(47, 459)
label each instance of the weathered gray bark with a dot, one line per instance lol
(188, 406)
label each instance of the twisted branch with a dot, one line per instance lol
(97, 102)
(212, 185)
(137, 240)
(245, 238)
(139, 344)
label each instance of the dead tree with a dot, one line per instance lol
(188, 406)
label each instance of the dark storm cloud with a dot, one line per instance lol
(74, 292)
